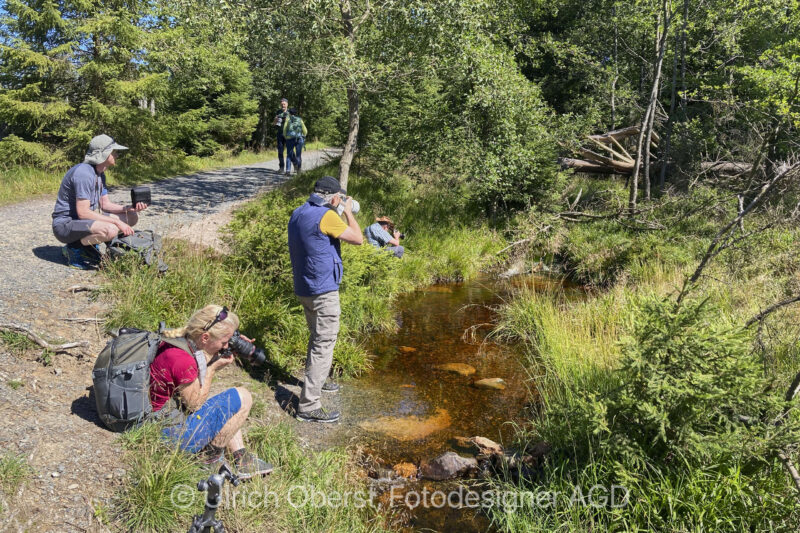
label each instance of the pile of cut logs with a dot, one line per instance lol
(615, 159)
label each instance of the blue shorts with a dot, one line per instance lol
(202, 426)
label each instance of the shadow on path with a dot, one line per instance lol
(204, 191)
(49, 253)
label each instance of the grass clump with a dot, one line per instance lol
(15, 342)
(14, 472)
(160, 493)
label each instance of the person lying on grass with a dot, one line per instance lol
(180, 382)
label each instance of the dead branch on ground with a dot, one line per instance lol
(19, 328)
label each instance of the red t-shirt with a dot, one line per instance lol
(171, 368)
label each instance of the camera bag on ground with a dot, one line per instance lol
(144, 243)
(121, 376)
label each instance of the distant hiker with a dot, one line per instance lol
(315, 234)
(382, 234)
(280, 119)
(180, 381)
(83, 215)
(294, 130)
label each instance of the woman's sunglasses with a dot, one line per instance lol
(222, 315)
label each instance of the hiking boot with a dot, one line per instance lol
(318, 415)
(92, 253)
(77, 257)
(248, 465)
(330, 386)
(211, 456)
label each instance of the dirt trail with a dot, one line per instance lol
(45, 411)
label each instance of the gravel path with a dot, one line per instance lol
(30, 257)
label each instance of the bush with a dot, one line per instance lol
(686, 423)
(14, 152)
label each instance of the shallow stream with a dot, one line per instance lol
(410, 409)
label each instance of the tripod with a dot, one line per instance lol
(212, 485)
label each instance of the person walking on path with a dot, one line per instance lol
(280, 118)
(294, 130)
(315, 235)
(181, 374)
(83, 215)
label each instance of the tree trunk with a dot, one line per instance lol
(649, 114)
(352, 137)
(352, 102)
(616, 72)
(670, 120)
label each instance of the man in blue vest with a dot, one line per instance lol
(315, 234)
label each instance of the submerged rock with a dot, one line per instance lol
(406, 470)
(483, 445)
(490, 383)
(409, 427)
(448, 466)
(458, 368)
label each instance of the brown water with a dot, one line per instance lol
(408, 410)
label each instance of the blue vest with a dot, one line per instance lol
(316, 257)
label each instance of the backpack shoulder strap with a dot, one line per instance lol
(179, 342)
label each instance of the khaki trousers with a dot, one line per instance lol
(322, 316)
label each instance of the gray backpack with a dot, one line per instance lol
(144, 243)
(121, 376)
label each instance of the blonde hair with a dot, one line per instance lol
(200, 319)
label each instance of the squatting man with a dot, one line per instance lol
(83, 215)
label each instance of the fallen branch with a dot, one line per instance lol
(82, 319)
(82, 288)
(787, 463)
(527, 239)
(18, 328)
(774, 307)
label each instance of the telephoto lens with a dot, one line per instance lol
(246, 349)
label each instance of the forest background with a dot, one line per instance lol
(670, 376)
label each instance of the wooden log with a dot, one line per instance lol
(622, 133)
(726, 167)
(622, 166)
(582, 165)
(610, 150)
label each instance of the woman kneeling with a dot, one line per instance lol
(180, 380)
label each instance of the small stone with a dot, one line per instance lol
(73, 486)
(109, 476)
(57, 371)
(458, 368)
(490, 383)
(55, 474)
(119, 472)
(60, 468)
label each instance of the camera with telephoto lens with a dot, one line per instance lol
(246, 349)
(340, 207)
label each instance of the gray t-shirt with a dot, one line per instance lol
(79, 183)
(377, 236)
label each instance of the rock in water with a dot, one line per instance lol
(490, 383)
(458, 368)
(409, 427)
(448, 466)
(406, 470)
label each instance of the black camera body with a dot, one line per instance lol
(401, 236)
(140, 194)
(246, 350)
